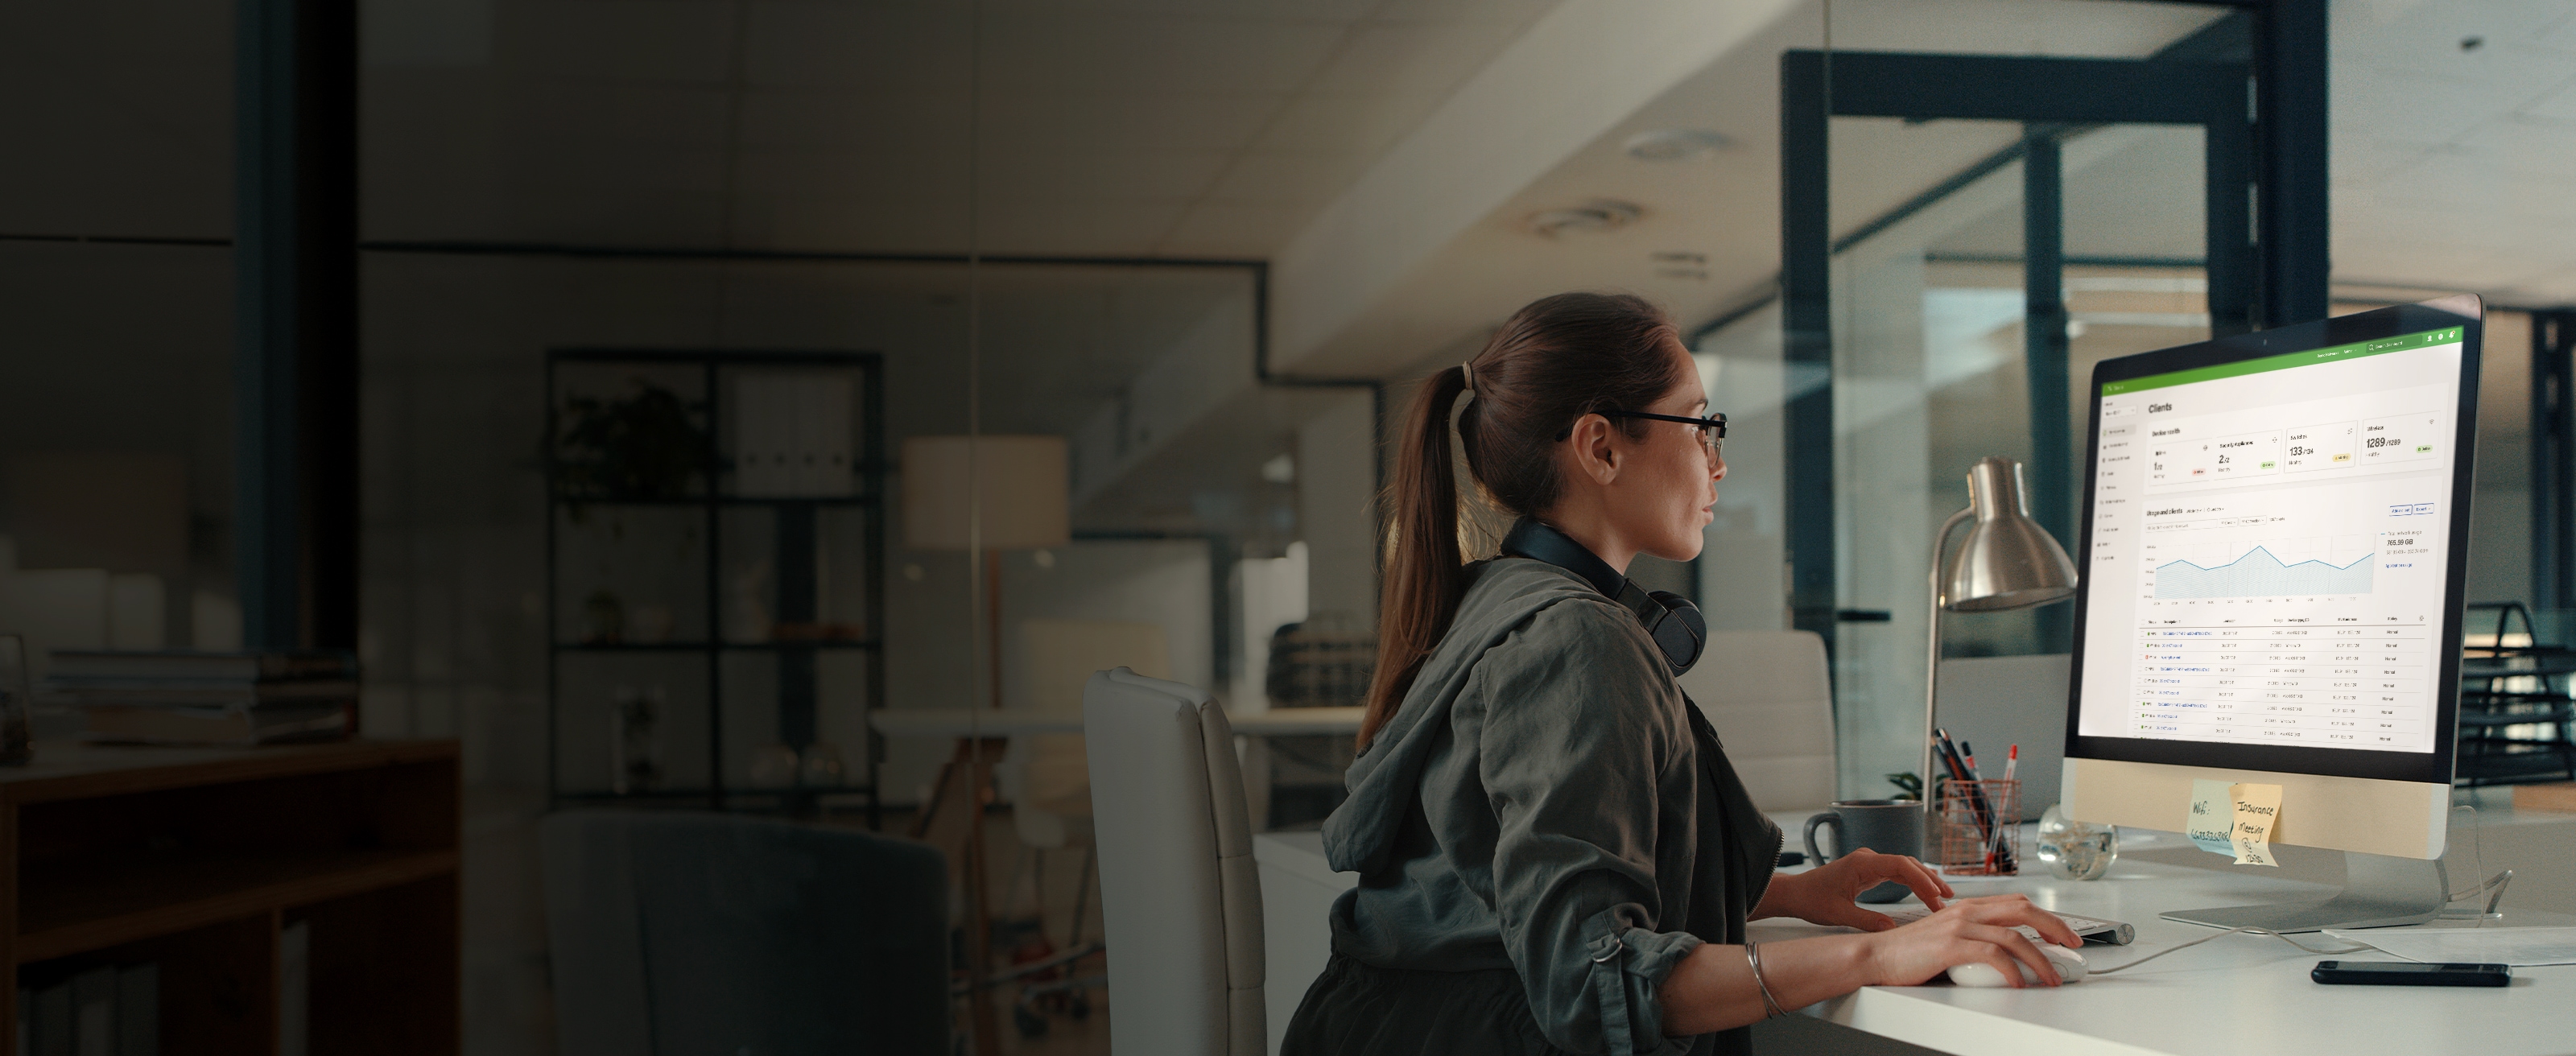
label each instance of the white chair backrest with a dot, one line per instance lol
(1770, 698)
(1179, 895)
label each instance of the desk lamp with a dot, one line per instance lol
(2008, 562)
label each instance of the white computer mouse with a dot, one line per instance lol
(2069, 964)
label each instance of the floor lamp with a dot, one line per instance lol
(2007, 562)
(983, 495)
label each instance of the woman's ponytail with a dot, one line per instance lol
(1553, 362)
(1424, 572)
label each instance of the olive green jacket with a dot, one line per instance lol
(1547, 800)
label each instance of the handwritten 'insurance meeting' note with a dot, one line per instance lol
(2257, 807)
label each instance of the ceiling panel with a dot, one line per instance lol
(588, 112)
(1304, 179)
(1047, 52)
(1411, 58)
(1065, 122)
(687, 41)
(905, 47)
(2557, 104)
(1030, 175)
(1233, 229)
(929, 128)
(1326, 123)
(1090, 228)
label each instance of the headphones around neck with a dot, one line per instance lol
(1670, 619)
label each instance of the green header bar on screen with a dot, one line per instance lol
(2356, 350)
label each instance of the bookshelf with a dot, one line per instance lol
(197, 859)
(715, 559)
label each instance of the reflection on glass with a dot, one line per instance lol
(1932, 372)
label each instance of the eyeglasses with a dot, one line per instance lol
(1710, 429)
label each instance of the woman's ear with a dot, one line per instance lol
(1594, 455)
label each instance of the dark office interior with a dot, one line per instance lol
(589, 526)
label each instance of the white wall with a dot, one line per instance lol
(1271, 591)
(1336, 482)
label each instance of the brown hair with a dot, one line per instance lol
(1555, 361)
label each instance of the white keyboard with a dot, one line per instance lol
(2110, 932)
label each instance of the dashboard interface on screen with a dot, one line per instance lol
(2269, 548)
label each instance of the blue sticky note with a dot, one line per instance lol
(2213, 814)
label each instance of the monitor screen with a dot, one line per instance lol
(2268, 557)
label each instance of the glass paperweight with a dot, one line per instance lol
(2075, 850)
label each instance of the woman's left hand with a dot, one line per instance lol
(1829, 893)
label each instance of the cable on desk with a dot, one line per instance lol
(2495, 883)
(2493, 886)
(2355, 948)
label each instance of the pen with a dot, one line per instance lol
(2012, 761)
(1978, 812)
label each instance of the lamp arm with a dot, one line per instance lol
(1932, 665)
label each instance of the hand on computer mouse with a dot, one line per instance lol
(1970, 931)
(2069, 964)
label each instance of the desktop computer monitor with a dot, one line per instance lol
(2274, 545)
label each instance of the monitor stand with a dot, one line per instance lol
(2378, 892)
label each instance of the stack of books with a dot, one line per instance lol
(102, 1011)
(209, 698)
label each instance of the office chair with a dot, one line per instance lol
(1178, 890)
(686, 933)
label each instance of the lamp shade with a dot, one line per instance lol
(1021, 481)
(2008, 560)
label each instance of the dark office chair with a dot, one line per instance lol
(2517, 722)
(690, 933)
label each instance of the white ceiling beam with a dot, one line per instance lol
(1577, 73)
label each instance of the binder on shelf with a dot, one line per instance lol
(138, 1010)
(792, 436)
(94, 1013)
(50, 1024)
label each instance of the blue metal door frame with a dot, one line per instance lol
(2274, 158)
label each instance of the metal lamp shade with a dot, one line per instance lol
(2008, 560)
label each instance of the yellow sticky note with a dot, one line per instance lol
(2258, 809)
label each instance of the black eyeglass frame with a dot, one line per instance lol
(1716, 421)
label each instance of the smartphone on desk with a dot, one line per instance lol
(2410, 973)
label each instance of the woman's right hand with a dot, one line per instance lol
(1969, 930)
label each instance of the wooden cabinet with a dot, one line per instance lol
(197, 860)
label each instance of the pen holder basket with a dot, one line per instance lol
(1977, 828)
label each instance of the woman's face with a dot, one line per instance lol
(1660, 500)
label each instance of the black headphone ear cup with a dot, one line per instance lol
(1680, 631)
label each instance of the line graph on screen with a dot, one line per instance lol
(2258, 573)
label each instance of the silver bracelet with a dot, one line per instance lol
(1754, 958)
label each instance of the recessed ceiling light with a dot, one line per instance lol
(1599, 214)
(1675, 144)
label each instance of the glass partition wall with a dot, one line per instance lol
(1932, 370)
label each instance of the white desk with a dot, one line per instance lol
(2239, 994)
(1023, 722)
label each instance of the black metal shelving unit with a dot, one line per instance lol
(794, 552)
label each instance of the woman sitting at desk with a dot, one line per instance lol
(1554, 853)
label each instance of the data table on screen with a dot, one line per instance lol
(2267, 551)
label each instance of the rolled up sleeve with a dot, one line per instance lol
(1581, 730)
